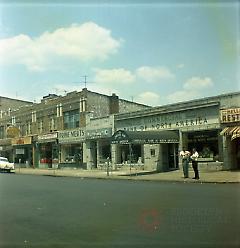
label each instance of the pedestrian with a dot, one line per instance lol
(185, 155)
(194, 158)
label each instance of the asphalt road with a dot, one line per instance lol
(44, 211)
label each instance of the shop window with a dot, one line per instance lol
(206, 143)
(105, 152)
(73, 154)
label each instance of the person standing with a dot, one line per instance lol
(194, 158)
(185, 155)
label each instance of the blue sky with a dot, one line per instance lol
(153, 52)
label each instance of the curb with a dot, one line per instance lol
(132, 178)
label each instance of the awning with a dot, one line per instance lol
(231, 131)
(144, 137)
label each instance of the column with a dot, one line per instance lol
(89, 157)
(114, 154)
(98, 152)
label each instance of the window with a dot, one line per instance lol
(152, 151)
(71, 119)
(29, 128)
(40, 126)
(52, 124)
(13, 120)
(1, 132)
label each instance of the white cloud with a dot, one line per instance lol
(182, 95)
(149, 98)
(124, 76)
(114, 76)
(154, 74)
(192, 89)
(197, 83)
(84, 42)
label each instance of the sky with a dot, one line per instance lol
(151, 52)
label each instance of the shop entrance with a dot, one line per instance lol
(46, 154)
(23, 155)
(173, 156)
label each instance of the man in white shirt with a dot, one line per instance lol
(194, 158)
(185, 155)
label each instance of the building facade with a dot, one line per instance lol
(8, 122)
(90, 131)
(151, 139)
(52, 132)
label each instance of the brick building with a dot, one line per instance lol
(33, 129)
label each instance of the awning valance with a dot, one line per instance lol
(144, 137)
(231, 131)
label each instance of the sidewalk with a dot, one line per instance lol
(171, 176)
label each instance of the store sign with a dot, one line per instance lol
(71, 136)
(230, 115)
(22, 141)
(19, 151)
(99, 133)
(13, 132)
(50, 137)
(175, 120)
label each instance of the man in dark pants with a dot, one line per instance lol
(185, 155)
(194, 159)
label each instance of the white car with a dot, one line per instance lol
(5, 165)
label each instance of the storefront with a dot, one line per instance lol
(98, 141)
(197, 125)
(6, 149)
(230, 120)
(46, 151)
(150, 150)
(71, 148)
(98, 147)
(23, 150)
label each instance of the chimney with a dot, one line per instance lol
(113, 104)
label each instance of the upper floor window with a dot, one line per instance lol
(34, 116)
(29, 128)
(2, 131)
(13, 120)
(52, 124)
(40, 126)
(71, 119)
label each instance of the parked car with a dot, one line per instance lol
(5, 165)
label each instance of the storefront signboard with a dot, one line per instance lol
(50, 137)
(71, 136)
(230, 115)
(22, 141)
(99, 133)
(175, 120)
(20, 151)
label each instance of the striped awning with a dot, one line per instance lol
(231, 131)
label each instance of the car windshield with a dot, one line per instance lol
(4, 159)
